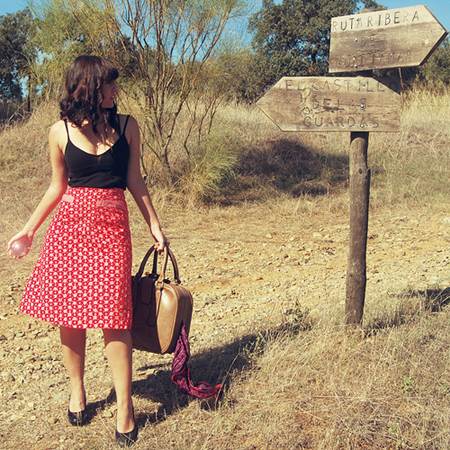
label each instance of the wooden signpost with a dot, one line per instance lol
(332, 104)
(390, 38)
(373, 40)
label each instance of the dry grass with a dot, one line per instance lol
(310, 384)
(247, 158)
(411, 166)
(323, 388)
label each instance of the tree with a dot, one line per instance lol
(60, 38)
(292, 38)
(437, 69)
(16, 55)
(174, 42)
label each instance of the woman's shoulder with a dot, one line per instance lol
(130, 127)
(130, 120)
(57, 134)
(58, 128)
(58, 124)
(123, 116)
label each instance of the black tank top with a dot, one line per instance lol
(107, 170)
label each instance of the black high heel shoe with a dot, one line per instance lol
(78, 418)
(129, 438)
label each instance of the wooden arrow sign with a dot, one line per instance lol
(331, 104)
(402, 37)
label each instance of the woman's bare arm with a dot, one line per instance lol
(136, 184)
(58, 183)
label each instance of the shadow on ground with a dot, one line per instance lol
(432, 300)
(282, 165)
(218, 365)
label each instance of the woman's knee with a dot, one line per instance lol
(110, 335)
(70, 335)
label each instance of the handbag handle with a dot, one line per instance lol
(144, 262)
(167, 254)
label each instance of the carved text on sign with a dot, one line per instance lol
(379, 19)
(383, 39)
(332, 104)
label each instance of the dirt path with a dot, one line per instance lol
(245, 265)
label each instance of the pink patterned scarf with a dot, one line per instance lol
(181, 373)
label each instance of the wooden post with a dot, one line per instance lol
(359, 217)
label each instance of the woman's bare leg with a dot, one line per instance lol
(73, 343)
(118, 352)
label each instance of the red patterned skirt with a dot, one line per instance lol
(82, 278)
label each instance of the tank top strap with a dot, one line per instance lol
(67, 129)
(126, 121)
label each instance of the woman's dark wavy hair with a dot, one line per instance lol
(83, 96)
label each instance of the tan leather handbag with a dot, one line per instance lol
(160, 306)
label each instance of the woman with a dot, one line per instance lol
(82, 278)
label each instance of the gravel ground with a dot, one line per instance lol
(245, 265)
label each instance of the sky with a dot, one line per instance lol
(238, 28)
(10, 6)
(440, 9)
